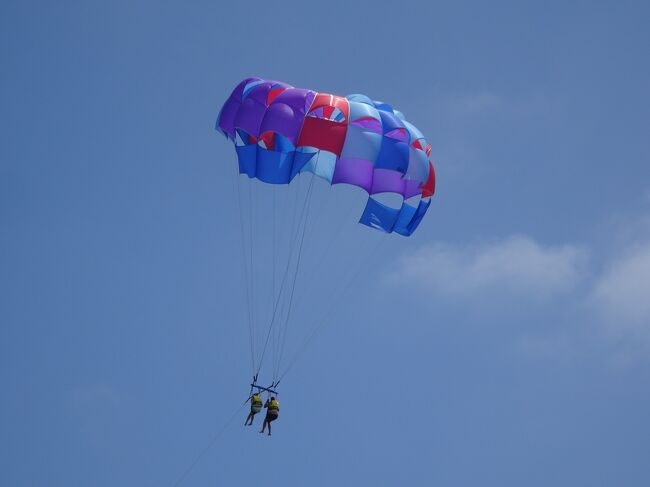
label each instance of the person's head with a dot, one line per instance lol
(272, 398)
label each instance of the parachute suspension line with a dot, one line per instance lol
(324, 319)
(296, 236)
(294, 231)
(276, 264)
(283, 246)
(293, 238)
(291, 235)
(293, 288)
(293, 227)
(284, 323)
(251, 261)
(327, 247)
(251, 257)
(283, 234)
(244, 266)
(315, 214)
(284, 278)
(327, 251)
(283, 330)
(273, 247)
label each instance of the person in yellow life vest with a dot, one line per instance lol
(272, 412)
(256, 407)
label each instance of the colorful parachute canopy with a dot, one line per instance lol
(279, 131)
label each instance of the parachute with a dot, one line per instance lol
(280, 133)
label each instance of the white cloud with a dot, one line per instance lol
(622, 292)
(588, 307)
(516, 265)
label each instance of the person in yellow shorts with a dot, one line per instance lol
(256, 407)
(272, 412)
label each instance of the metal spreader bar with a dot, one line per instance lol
(267, 389)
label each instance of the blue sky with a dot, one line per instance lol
(506, 343)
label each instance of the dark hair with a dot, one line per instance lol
(272, 398)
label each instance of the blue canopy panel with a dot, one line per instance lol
(270, 166)
(301, 159)
(247, 155)
(409, 220)
(274, 167)
(379, 216)
(423, 206)
(360, 98)
(394, 151)
(402, 221)
(322, 165)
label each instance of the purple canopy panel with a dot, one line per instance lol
(357, 172)
(249, 117)
(286, 114)
(260, 92)
(297, 98)
(282, 119)
(226, 119)
(389, 181)
(412, 187)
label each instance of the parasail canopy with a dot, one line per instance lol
(280, 131)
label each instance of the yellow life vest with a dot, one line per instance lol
(274, 407)
(256, 400)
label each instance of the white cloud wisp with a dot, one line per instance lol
(516, 265)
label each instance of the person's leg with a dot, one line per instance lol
(249, 418)
(263, 426)
(269, 428)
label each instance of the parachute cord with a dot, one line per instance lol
(292, 236)
(279, 220)
(286, 273)
(293, 288)
(273, 225)
(277, 299)
(252, 280)
(268, 335)
(324, 320)
(273, 247)
(207, 448)
(319, 246)
(282, 329)
(245, 271)
(322, 259)
(311, 287)
(329, 245)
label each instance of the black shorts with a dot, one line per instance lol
(271, 417)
